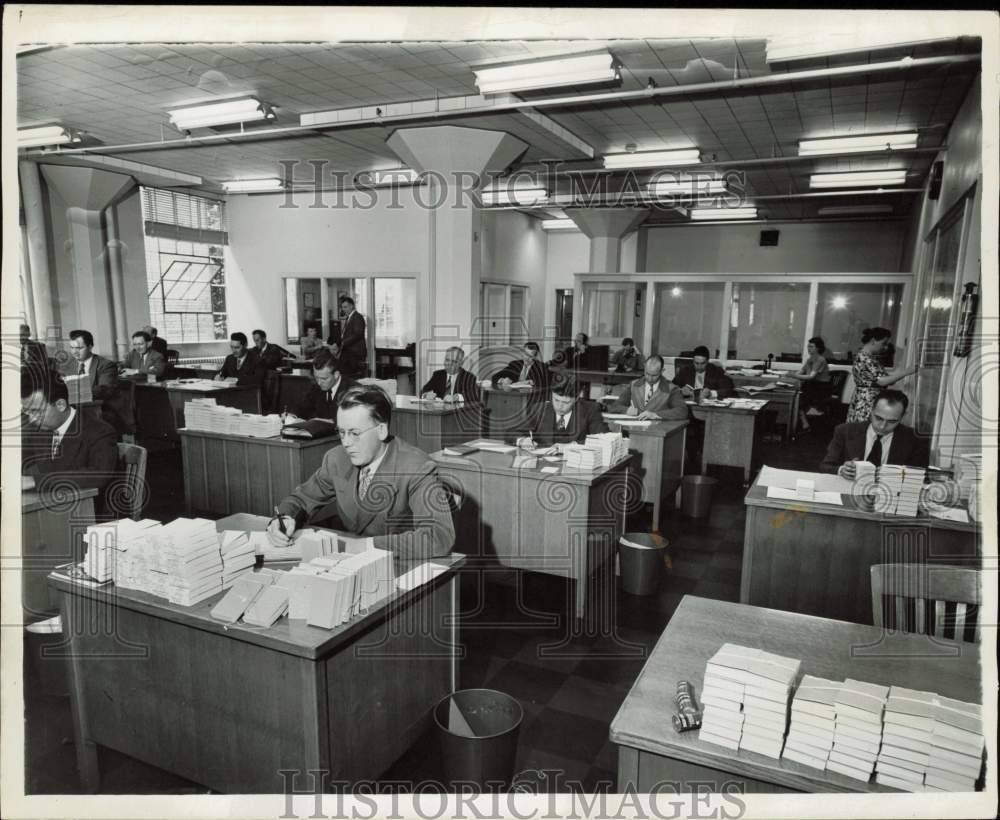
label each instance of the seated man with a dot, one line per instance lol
(242, 364)
(526, 369)
(386, 490)
(883, 439)
(157, 343)
(652, 397)
(565, 420)
(271, 356)
(326, 391)
(103, 375)
(142, 359)
(574, 356)
(311, 343)
(453, 381)
(33, 354)
(628, 359)
(704, 377)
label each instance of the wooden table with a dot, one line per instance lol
(159, 406)
(731, 436)
(512, 411)
(816, 558)
(565, 523)
(52, 528)
(224, 473)
(607, 378)
(432, 425)
(230, 706)
(660, 448)
(783, 400)
(651, 752)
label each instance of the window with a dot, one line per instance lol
(613, 311)
(767, 318)
(688, 314)
(395, 318)
(844, 311)
(185, 272)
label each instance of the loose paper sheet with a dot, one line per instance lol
(786, 479)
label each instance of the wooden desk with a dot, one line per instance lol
(223, 472)
(432, 425)
(565, 523)
(815, 558)
(159, 406)
(731, 436)
(229, 706)
(52, 528)
(650, 751)
(512, 411)
(783, 400)
(660, 448)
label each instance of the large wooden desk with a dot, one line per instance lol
(565, 523)
(230, 706)
(512, 411)
(783, 400)
(651, 752)
(223, 472)
(432, 425)
(816, 558)
(159, 406)
(660, 448)
(52, 528)
(731, 436)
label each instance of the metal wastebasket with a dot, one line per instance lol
(641, 558)
(478, 731)
(696, 495)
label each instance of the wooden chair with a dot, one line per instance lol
(923, 583)
(133, 491)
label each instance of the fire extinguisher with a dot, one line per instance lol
(966, 320)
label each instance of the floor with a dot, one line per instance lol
(568, 701)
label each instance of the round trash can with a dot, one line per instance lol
(478, 731)
(696, 495)
(641, 560)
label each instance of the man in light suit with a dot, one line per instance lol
(142, 358)
(243, 364)
(883, 439)
(353, 340)
(453, 381)
(103, 375)
(652, 397)
(701, 375)
(387, 491)
(566, 420)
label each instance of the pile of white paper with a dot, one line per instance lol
(810, 735)
(205, 414)
(904, 485)
(246, 599)
(79, 388)
(857, 730)
(612, 447)
(746, 404)
(102, 541)
(238, 555)
(315, 543)
(582, 457)
(957, 746)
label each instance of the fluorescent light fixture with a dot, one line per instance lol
(676, 292)
(653, 159)
(838, 302)
(245, 109)
(580, 69)
(854, 210)
(46, 135)
(514, 196)
(705, 214)
(386, 177)
(851, 145)
(858, 179)
(829, 44)
(559, 225)
(243, 186)
(687, 186)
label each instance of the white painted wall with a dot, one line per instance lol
(566, 254)
(514, 252)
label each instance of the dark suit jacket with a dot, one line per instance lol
(537, 374)
(353, 344)
(316, 405)
(159, 344)
(628, 362)
(848, 444)
(406, 509)
(715, 379)
(34, 354)
(586, 420)
(250, 372)
(152, 362)
(88, 456)
(667, 402)
(273, 356)
(465, 383)
(571, 358)
(104, 388)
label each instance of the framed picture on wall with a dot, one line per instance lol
(307, 300)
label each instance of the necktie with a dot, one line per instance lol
(56, 441)
(364, 479)
(525, 370)
(451, 386)
(875, 456)
(649, 392)
(561, 422)
(82, 371)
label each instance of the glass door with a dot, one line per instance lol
(393, 331)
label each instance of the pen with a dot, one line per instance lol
(281, 522)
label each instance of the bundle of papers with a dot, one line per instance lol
(238, 555)
(419, 575)
(745, 404)
(232, 606)
(857, 728)
(79, 389)
(810, 734)
(904, 485)
(612, 447)
(200, 384)
(101, 542)
(956, 747)
(341, 586)
(267, 607)
(315, 543)
(205, 414)
(582, 457)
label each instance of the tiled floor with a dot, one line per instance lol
(569, 700)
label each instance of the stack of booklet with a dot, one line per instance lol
(904, 485)
(79, 388)
(611, 446)
(810, 735)
(205, 414)
(245, 593)
(857, 728)
(102, 542)
(238, 555)
(315, 543)
(957, 746)
(582, 457)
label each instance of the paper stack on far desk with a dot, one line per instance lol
(582, 457)
(205, 414)
(857, 730)
(810, 735)
(611, 446)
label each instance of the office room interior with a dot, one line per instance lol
(716, 503)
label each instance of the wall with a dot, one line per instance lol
(514, 252)
(566, 254)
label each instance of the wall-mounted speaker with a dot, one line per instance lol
(768, 239)
(934, 183)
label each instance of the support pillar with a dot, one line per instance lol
(120, 331)
(605, 227)
(44, 323)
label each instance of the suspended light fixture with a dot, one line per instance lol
(577, 69)
(229, 112)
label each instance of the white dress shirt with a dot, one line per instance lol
(60, 431)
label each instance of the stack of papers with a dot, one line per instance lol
(419, 575)
(205, 414)
(612, 447)
(582, 457)
(102, 541)
(908, 722)
(79, 389)
(858, 728)
(200, 384)
(267, 607)
(864, 472)
(243, 594)
(492, 446)
(956, 747)
(753, 389)
(745, 404)
(315, 543)
(904, 485)
(810, 735)
(331, 598)
(376, 577)
(238, 555)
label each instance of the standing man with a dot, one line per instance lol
(387, 491)
(652, 397)
(33, 354)
(453, 381)
(353, 340)
(242, 364)
(628, 359)
(701, 375)
(156, 343)
(270, 356)
(326, 391)
(143, 359)
(566, 419)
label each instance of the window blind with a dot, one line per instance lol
(184, 217)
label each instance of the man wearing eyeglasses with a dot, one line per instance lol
(387, 491)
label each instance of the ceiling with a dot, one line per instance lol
(119, 95)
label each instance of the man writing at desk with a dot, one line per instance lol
(704, 377)
(387, 491)
(883, 439)
(242, 364)
(454, 381)
(525, 369)
(652, 397)
(324, 394)
(567, 419)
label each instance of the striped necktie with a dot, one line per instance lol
(364, 481)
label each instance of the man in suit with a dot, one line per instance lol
(143, 359)
(883, 439)
(652, 397)
(271, 356)
(701, 375)
(628, 359)
(103, 374)
(326, 391)
(34, 355)
(156, 343)
(526, 369)
(566, 419)
(243, 364)
(574, 356)
(387, 491)
(353, 340)
(453, 381)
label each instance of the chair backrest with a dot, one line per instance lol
(940, 586)
(838, 378)
(132, 460)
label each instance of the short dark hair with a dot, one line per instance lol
(628, 341)
(701, 350)
(565, 387)
(313, 328)
(820, 344)
(86, 335)
(655, 357)
(893, 397)
(531, 346)
(142, 334)
(153, 331)
(260, 333)
(325, 358)
(368, 395)
(49, 382)
(238, 337)
(584, 335)
(876, 333)
(347, 299)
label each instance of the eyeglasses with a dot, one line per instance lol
(354, 435)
